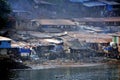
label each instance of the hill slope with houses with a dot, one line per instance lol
(51, 9)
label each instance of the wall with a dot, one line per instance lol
(24, 25)
(5, 44)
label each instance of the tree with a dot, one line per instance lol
(4, 11)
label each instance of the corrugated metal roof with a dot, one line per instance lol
(54, 22)
(22, 11)
(14, 45)
(95, 3)
(110, 19)
(109, 2)
(78, 0)
(4, 39)
(43, 2)
(91, 38)
(98, 40)
(53, 41)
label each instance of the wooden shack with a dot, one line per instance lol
(98, 44)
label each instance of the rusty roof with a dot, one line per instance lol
(54, 21)
(90, 38)
(98, 40)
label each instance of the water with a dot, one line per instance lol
(101, 72)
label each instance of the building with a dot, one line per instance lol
(5, 43)
(54, 25)
(98, 44)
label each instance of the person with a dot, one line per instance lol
(107, 51)
(112, 50)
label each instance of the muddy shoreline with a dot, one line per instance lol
(39, 66)
(55, 64)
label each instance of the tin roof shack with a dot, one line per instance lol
(98, 44)
(5, 43)
(78, 49)
(92, 39)
(50, 48)
(54, 25)
(43, 50)
(23, 49)
(7, 48)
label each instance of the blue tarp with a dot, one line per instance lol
(108, 48)
(23, 50)
(109, 7)
(5, 44)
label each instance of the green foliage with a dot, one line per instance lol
(4, 11)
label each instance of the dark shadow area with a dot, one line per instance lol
(6, 65)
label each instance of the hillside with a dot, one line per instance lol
(53, 9)
(56, 9)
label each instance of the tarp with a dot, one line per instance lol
(109, 7)
(108, 48)
(23, 50)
